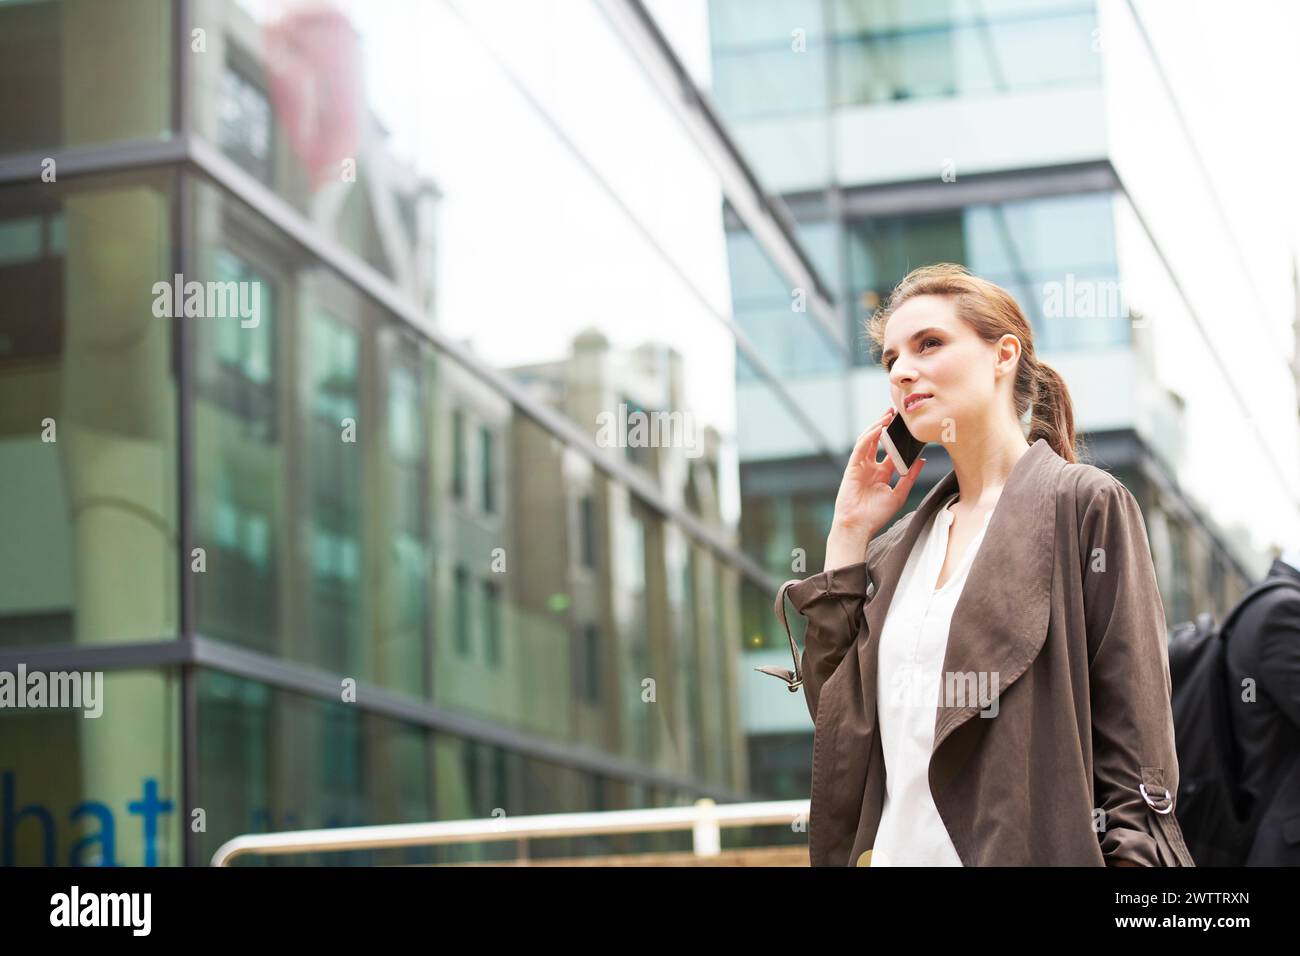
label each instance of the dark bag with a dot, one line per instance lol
(1216, 822)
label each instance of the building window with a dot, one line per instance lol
(336, 479)
(588, 676)
(458, 454)
(634, 555)
(244, 124)
(1179, 539)
(31, 273)
(335, 353)
(500, 776)
(405, 436)
(462, 611)
(480, 760)
(487, 447)
(1056, 255)
(492, 622)
(244, 350)
(236, 361)
(469, 753)
(587, 530)
(637, 428)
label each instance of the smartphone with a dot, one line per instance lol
(900, 444)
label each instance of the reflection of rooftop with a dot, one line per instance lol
(336, 165)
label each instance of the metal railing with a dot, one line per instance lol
(705, 819)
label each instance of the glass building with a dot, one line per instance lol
(1057, 148)
(318, 321)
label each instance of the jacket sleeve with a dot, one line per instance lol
(1132, 718)
(831, 602)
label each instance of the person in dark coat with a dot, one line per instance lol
(1263, 667)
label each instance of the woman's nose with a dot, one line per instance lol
(901, 377)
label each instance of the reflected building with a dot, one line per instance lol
(633, 598)
(335, 567)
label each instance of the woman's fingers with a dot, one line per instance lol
(864, 451)
(904, 486)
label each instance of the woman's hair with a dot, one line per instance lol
(992, 312)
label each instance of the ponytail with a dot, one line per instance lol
(1053, 412)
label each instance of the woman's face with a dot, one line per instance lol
(928, 350)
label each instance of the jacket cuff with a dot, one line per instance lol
(849, 581)
(1126, 843)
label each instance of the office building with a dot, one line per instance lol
(1057, 148)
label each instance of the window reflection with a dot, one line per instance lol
(244, 132)
(881, 52)
(87, 410)
(334, 434)
(1025, 247)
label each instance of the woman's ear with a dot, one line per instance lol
(1008, 351)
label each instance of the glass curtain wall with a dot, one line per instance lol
(421, 370)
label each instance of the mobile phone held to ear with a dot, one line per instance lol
(900, 444)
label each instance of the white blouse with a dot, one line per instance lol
(911, 653)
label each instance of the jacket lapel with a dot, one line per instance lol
(1000, 620)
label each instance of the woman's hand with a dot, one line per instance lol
(865, 501)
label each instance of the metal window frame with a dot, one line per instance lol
(183, 261)
(195, 654)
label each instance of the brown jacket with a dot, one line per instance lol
(1061, 627)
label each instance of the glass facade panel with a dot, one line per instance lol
(84, 790)
(90, 72)
(87, 412)
(274, 760)
(775, 316)
(614, 211)
(797, 58)
(1055, 255)
(989, 53)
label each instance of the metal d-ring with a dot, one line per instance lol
(1142, 788)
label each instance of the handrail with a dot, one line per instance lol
(705, 819)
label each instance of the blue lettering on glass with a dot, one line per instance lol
(99, 848)
(149, 807)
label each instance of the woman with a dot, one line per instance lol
(990, 684)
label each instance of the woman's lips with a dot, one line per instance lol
(913, 406)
